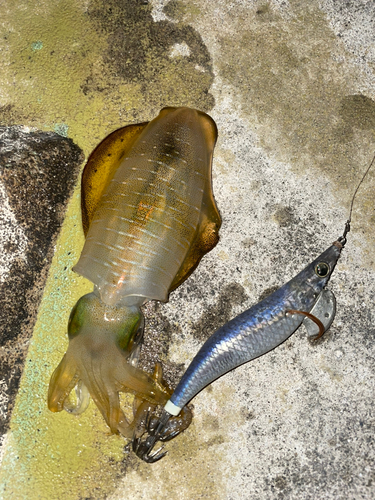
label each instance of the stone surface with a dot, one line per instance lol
(38, 171)
(291, 87)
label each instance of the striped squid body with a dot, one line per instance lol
(149, 216)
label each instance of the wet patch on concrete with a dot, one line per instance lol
(301, 116)
(38, 173)
(90, 68)
(220, 313)
(284, 216)
(267, 292)
(160, 333)
(157, 341)
(358, 111)
(141, 51)
(205, 437)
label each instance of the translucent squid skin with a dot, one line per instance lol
(149, 216)
(257, 330)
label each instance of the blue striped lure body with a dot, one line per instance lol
(149, 216)
(258, 330)
(249, 335)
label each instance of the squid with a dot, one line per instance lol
(149, 216)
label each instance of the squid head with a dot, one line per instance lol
(104, 343)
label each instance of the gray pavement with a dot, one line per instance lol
(291, 87)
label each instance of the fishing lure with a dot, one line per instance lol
(149, 216)
(251, 334)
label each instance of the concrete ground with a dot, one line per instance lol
(291, 86)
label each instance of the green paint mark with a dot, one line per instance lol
(37, 45)
(81, 77)
(61, 129)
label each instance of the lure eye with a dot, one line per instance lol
(322, 269)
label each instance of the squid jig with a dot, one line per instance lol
(264, 326)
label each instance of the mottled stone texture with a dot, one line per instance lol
(37, 171)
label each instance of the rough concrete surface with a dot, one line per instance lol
(38, 172)
(291, 86)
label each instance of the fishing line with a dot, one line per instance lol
(347, 225)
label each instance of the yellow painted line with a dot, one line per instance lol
(57, 455)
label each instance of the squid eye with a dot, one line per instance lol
(322, 269)
(76, 319)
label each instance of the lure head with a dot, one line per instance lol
(104, 344)
(316, 275)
